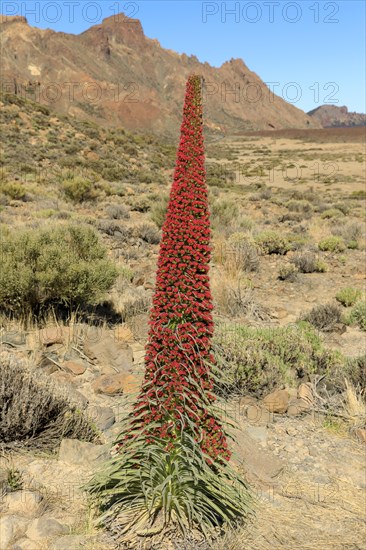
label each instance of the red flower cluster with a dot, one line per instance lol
(178, 385)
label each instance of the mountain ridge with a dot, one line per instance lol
(112, 73)
(332, 116)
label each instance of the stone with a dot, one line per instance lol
(296, 407)
(360, 434)
(102, 417)
(259, 433)
(305, 392)
(24, 502)
(44, 527)
(26, 544)
(290, 430)
(53, 335)
(122, 333)
(257, 414)
(113, 355)
(14, 338)
(62, 377)
(73, 451)
(75, 367)
(72, 542)
(10, 528)
(277, 401)
(115, 384)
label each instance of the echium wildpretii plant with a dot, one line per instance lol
(171, 467)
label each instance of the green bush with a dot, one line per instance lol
(332, 244)
(15, 191)
(331, 213)
(62, 265)
(288, 272)
(357, 315)
(158, 211)
(79, 189)
(271, 242)
(224, 212)
(257, 360)
(348, 296)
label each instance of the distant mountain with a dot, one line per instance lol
(332, 116)
(115, 75)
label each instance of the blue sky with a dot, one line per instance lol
(313, 50)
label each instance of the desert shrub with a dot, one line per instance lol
(271, 242)
(114, 228)
(62, 265)
(348, 296)
(224, 212)
(331, 213)
(118, 212)
(219, 175)
(13, 190)
(350, 232)
(236, 299)
(298, 240)
(356, 373)
(79, 189)
(241, 252)
(148, 233)
(308, 262)
(288, 272)
(332, 244)
(343, 207)
(257, 360)
(141, 204)
(324, 317)
(158, 211)
(357, 315)
(302, 206)
(34, 411)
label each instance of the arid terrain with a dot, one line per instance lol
(333, 116)
(113, 74)
(288, 222)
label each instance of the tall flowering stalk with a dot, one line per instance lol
(178, 384)
(171, 471)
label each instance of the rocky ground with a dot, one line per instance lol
(306, 470)
(306, 467)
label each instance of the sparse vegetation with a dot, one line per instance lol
(149, 233)
(348, 296)
(332, 213)
(309, 262)
(357, 315)
(35, 413)
(158, 211)
(257, 360)
(288, 272)
(224, 213)
(271, 242)
(324, 317)
(332, 244)
(118, 212)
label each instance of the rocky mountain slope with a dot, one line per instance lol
(332, 116)
(113, 74)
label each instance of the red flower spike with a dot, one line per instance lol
(181, 326)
